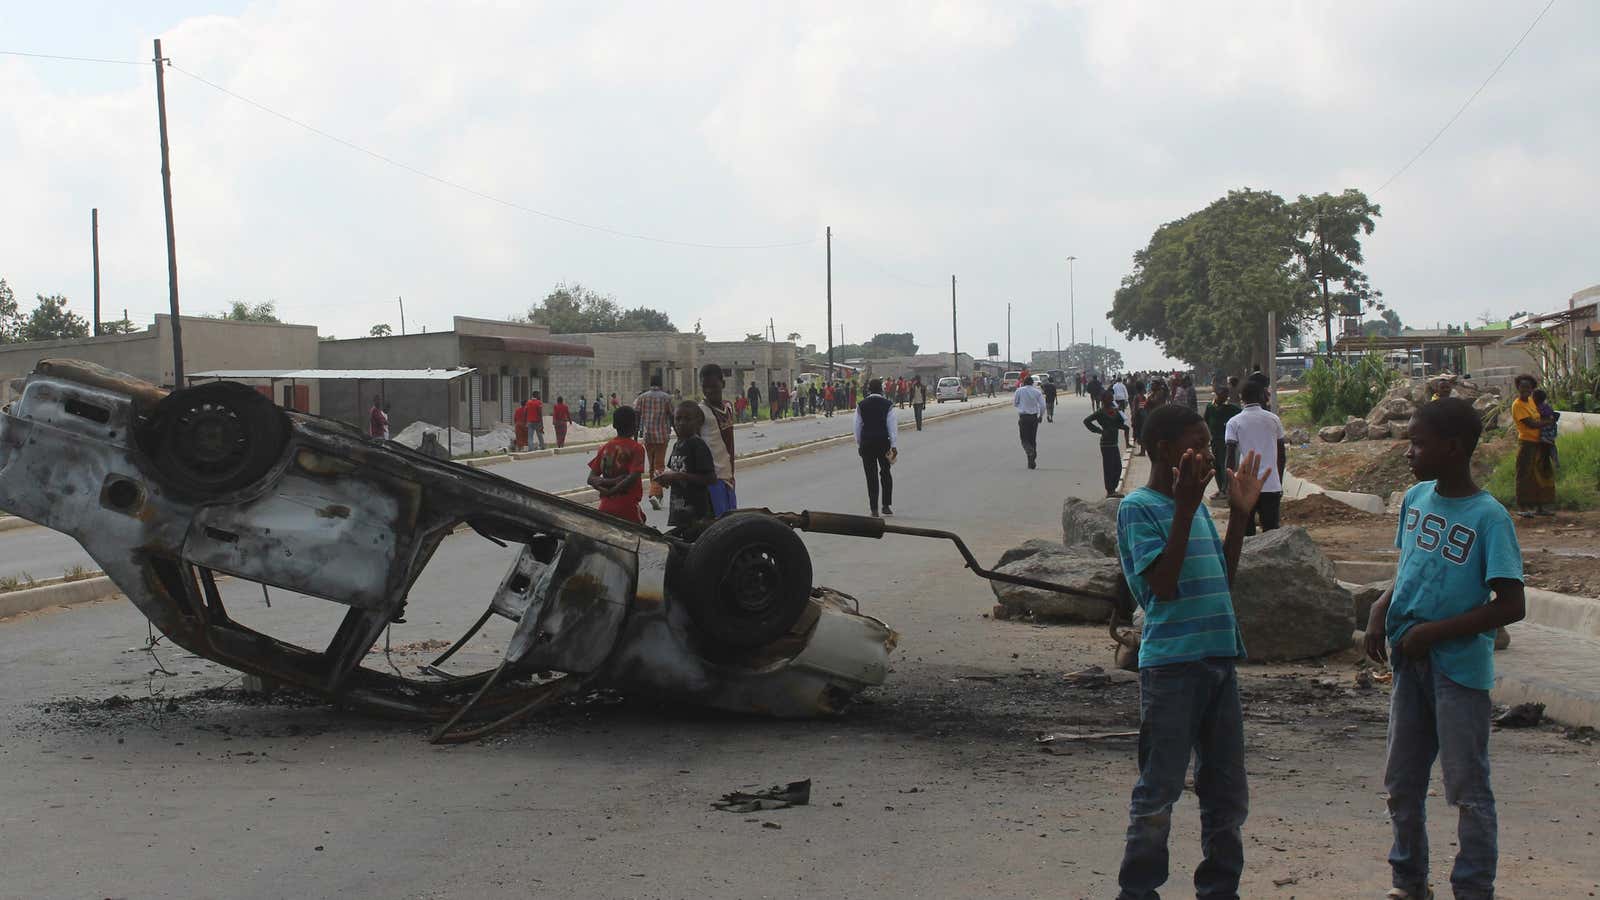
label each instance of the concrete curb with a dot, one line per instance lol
(1564, 612)
(1553, 667)
(11, 523)
(68, 593)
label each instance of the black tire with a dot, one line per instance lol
(746, 580)
(214, 438)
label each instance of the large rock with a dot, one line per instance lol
(1286, 597)
(1101, 576)
(1298, 436)
(1090, 523)
(1363, 598)
(1379, 432)
(1355, 429)
(1402, 431)
(1030, 547)
(1333, 434)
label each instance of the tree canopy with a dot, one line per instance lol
(240, 311)
(1204, 284)
(882, 346)
(1328, 242)
(381, 329)
(575, 309)
(51, 320)
(1387, 326)
(1090, 357)
(10, 315)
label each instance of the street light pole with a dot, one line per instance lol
(1072, 306)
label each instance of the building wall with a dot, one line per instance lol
(439, 350)
(134, 354)
(757, 362)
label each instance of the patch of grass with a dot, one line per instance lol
(78, 573)
(1577, 472)
(1295, 409)
(20, 581)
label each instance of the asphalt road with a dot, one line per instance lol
(930, 787)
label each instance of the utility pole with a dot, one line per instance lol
(166, 198)
(402, 301)
(1327, 311)
(1008, 335)
(829, 376)
(94, 238)
(955, 346)
(1058, 346)
(1072, 306)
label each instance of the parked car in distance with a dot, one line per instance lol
(1008, 381)
(950, 388)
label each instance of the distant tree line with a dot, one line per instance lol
(575, 309)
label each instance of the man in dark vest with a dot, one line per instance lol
(877, 434)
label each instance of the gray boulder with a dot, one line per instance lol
(1332, 434)
(1287, 600)
(1402, 431)
(1030, 547)
(1090, 523)
(1102, 576)
(1298, 436)
(1379, 432)
(1363, 598)
(1355, 429)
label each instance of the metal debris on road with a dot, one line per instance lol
(783, 796)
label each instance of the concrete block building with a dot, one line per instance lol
(207, 344)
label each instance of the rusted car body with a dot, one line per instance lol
(170, 490)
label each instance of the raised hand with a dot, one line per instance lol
(1189, 480)
(1244, 483)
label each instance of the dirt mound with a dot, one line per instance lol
(1320, 509)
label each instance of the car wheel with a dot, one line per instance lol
(747, 579)
(214, 438)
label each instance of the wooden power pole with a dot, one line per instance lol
(94, 241)
(955, 345)
(172, 245)
(829, 376)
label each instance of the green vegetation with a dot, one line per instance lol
(1204, 284)
(1571, 387)
(1295, 409)
(1577, 472)
(575, 309)
(1337, 389)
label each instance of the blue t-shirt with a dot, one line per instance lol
(1450, 549)
(1199, 622)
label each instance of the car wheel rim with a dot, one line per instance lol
(209, 439)
(753, 581)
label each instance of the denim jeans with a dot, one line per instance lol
(1188, 710)
(1430, 715)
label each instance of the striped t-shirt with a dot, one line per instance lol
(1199, 622)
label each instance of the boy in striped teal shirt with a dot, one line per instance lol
(1180, 571)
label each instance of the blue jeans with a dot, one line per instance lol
(1430, 715)
(1188, 710)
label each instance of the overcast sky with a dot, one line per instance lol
(985, 140)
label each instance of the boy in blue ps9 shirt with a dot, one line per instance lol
(1180, 572)
(1457, 547)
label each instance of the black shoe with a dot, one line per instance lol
(874, 513)
(1032, 463)
(887, 511)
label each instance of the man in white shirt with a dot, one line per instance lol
(1119, 393)
(1256, 430)
(1029, 401)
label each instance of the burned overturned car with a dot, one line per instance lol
(169, 491)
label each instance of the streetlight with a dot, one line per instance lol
(1072, 306)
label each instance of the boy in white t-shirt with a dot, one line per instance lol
(1254, 430)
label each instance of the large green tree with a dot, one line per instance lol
(10, 314)
(240, 311)
(1328, 232)
(51, 320)
(1091, 357)
(1204, 284)
(897, 343)
(575, 309)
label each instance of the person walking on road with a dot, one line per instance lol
(1029, 402)
(877, 434)
(1254, 430)
(919, 399)
(519, 425)
(535, 420)
(561, 416)
(754, 396)
(1119, 393)
(654, 408)
(378, 421)
(1106, 422)
(1219, 412)
(1049, 401)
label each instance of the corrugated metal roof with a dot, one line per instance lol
(338, 374)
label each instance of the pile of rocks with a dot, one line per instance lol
(1288, 603)
(1390, 418)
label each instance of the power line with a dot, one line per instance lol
(474, 192)
(93, 59)
(1474, 96)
